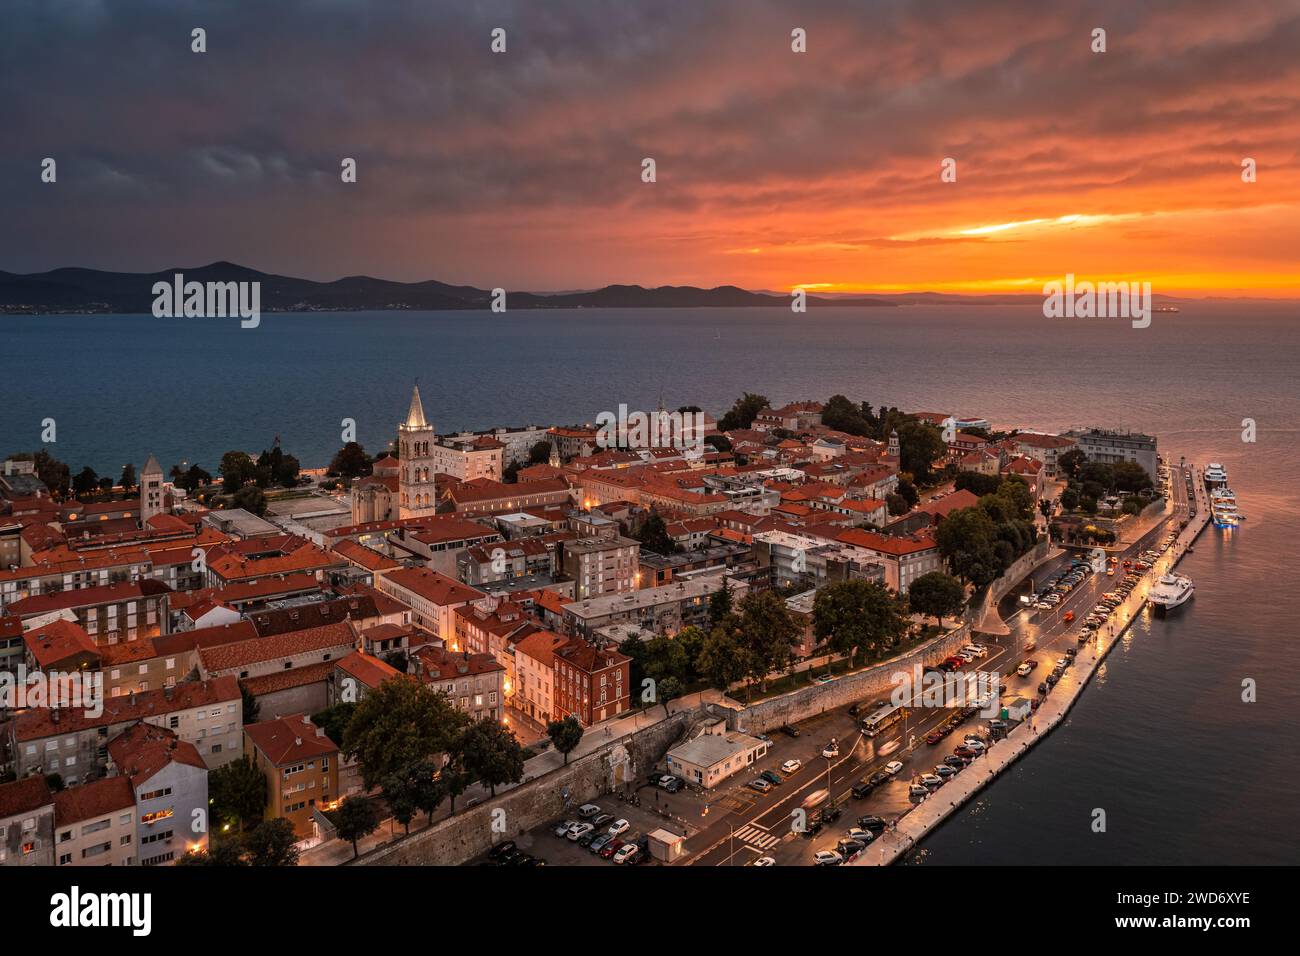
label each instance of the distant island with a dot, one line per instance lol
(93, 291)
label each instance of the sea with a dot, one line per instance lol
(1162, 741)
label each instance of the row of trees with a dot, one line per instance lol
(980, 542)
(756, 637)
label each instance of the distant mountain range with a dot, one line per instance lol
(94, 291)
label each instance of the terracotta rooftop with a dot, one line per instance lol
(288, 740)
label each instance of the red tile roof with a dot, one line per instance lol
(227, 657)
(434, 587)
(23, 796)
(288, 740)
(40, 722)
(98, 798)
(369, 671)
(57, 641)
(142, 751)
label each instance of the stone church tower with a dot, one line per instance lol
(417, 494)
(151, 490)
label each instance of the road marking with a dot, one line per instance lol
(757, 837)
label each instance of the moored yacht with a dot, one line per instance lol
(1215, 475)
(1171, 591)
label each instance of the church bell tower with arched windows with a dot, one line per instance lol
(415, 440)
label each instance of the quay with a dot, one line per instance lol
(912, 827)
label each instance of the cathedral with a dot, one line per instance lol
(407, 486)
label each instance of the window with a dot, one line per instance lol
(154, 794)
(174, 721)
(156, 815)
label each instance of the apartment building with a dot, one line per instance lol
(110, 613)
(602, 565)
(474, 683)
(301, 766)
(95, 825)
(26, 823)
(170, 783)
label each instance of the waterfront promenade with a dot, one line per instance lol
(912, 827)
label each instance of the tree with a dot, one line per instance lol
(670, 688)
(272, 843)
(653, 535)
(720, 605)
(965, 540)
(334, 720)
(718, 442)
(355, 819)
(540, 453)
(665, 657)
(236, 469)
(192, 479)
(936, 593)
(842, 415)
(897, 504)
(127, 481)
(225, 853)
(399, 792)
(907, 491)
(1071, 463)
(397, 724)
(691, 640)
(251, 498)
(769, 632)
(490, 752)
(856, 615)
(976, 483)
(635, 649)
(743, 412)
(237, 793)
(565, 735)
(453, 779)
(350, 461)
(1130, 476)
(722, 659)
(251, 706)
(85, 482)
(1070, 499)
(919, 444)
(427, 790)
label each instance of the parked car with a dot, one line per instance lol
(588, 810)
(579, 830)
(918, 790)
(563, 827)
(619, 827)
(605, 819)
(588, 838)
(791, 766)
(772, 777)
(602, 840)
(930, 780)
(873, 823)
(764, 861)
(759, 784)
(671, 784)
(789, 731)
(893, 767)
(943, 771)
(502, 849)
(849, 848)
(626, 853)
(610, 848)
(956, 761)
(862, 836)
(861, 789)
(827, 858)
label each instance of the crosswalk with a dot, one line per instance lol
(757, 837)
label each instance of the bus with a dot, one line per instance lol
(883, 719)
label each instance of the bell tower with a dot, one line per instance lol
(415, 481)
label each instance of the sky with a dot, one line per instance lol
(774, 169)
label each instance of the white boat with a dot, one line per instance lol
(1215, 475)
(1171, 591)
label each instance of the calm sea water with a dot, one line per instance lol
(1186, 772)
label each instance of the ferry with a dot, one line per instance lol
(1171, 591)
(1216, 476)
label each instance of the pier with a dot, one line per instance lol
(913, 826)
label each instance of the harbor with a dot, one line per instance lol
(1190, 512)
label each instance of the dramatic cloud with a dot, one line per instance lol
(774, 168)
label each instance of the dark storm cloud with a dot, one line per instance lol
(168, 157)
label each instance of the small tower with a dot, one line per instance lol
(151, 490)
(893, 443)
(415, 440)
(555, 452)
